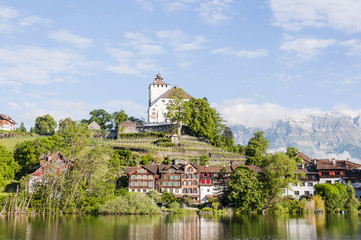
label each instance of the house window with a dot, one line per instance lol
(177, 190)
(303, 184)
(190, 169)
(171, 170)
(144, 184)
(164, 183)
(194, 175)
(189, 175)
(194, 190)
(132, 184)
(145, 176)
(297, 193)
(310, 184)
(150, 177)
(307, 193)
(337, 173)
(139, 177)
(190, 190)
(328, 181)
(139, 184)
(150, 184)
(325, 173)
(194, 182)
(165, 177)
(208, 190)
(132, 177)
(163, 100)
(185, 176)
(185, 183)
(184, 190)
(189, 182)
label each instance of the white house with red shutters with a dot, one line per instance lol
(7, 123)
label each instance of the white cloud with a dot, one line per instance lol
(146, 5)
(8, 12)
(73, 39)
(35, 65)
(241, 53)
(294, 15)
(354, 46)
(306, 48)
(180, 41)
(260, 115)
(32, 20)
(215, 11)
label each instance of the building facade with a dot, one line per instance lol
(7, 123)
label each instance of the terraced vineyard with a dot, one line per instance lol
(189, 148)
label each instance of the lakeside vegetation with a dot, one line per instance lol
(97, 183)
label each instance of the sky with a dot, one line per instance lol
(255, 61)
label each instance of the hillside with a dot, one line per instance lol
(190, 148)
(330, 134)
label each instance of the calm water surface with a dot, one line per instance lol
(180, 227)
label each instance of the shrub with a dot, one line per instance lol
(133, 203)
(166, 144)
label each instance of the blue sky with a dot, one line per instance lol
(255, 61)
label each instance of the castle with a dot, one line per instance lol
(160, 94)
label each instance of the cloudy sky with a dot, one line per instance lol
(255, 61)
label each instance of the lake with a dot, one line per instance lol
(156, 227)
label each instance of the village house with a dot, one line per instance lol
(49, 164)
(7, 123)
(170, 179)
(190, 182)
(142, 178)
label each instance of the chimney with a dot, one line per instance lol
(206, 165)
(303, 166)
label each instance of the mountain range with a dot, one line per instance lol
(331, 134)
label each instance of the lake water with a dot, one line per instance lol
(157, 227)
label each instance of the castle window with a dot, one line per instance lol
(163, 100)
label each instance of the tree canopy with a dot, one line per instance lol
(45, 125)
(176, 110)
(256, 148)
(8, 167)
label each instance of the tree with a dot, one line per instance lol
(102, 117)
(176, 111)
(292, 152)
(8, 167)
(119, 117)
(245, 191)
(203, 120)
(203, 160)
(45, 125)
(352, 202)
(279, 172)
(22, 127)
(256, 148)
(221, 185)
(334, 195)
(75, 136)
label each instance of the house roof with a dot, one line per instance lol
(170, 93)
(151, 168)
(7, 118)
(303, 156)
(127, 123)
(94, 126)
(254, 168)
(326, 164)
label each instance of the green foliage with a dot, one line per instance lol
(352, 203)
(8, 167)
(133, 203)
(279, 172)
(154, 195)
(166, 144)
(119, 117)
(162, 140)
(335, 196)
(319, 203)
(174, 207)
(141, 135)
(22, 128)
(102, 117)
(257, 148)
(147, 159)
(288, 205)
(203, 160)
(167, 197)
(204, 121)
(176, 110)
(45, 125)
(74, 136)
(292, 152)
(167, 160)
(245, 191)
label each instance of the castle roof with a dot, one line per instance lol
(159, 80)
(171, 93)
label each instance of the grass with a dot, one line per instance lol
(10, 143)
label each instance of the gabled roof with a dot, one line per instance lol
(326, 164)
(94, 126)
(170, 93)
(7, 118)
(177, 167)
(127, 123)
(151, 168)
(303, 156)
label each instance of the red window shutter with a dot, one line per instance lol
(203, 181)
(319, 173)
(208, 181)
(202, 174)
(207, 174)
(341, 173)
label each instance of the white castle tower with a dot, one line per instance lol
(160, 94)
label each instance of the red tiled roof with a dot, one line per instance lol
(303, 156)
(7, 118)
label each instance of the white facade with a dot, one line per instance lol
(301, 189)
(159, 96)
(207, 190)
(7, 127)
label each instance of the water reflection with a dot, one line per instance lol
(188, 227)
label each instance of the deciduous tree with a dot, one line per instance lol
(45, 125)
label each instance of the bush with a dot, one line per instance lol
(166, 144)
(162, 140)
(133, 203)
(141, 135)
